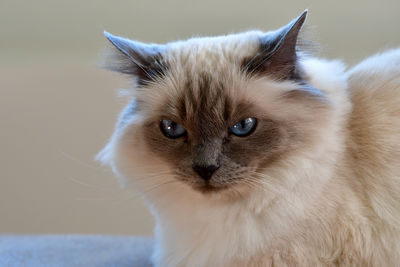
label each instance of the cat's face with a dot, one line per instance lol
(220, 111)
(213, 138)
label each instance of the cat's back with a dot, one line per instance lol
(374, 131)
(376, 76)
(374, 88)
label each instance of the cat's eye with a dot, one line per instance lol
(244, 127)
(172, 129)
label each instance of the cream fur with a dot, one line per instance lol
(336, 203)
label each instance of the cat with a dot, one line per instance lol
(251, 152)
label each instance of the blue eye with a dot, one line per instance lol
(244, 127)
(172, 129)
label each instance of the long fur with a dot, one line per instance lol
(333, 202)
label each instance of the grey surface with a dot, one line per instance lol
(74, 251)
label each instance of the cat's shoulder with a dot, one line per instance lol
(374, 89)
(376, 71)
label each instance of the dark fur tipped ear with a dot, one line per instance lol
(143, 61)
(277, 55)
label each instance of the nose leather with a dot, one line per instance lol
(205, 172)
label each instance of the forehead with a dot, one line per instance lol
(205, 83)
(210, 51)
(207, 100)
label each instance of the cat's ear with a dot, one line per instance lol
(277, 55)
(143, 61)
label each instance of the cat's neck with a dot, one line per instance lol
(210, 233)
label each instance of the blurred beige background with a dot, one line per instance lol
(57, 108)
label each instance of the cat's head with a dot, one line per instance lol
(215, 113)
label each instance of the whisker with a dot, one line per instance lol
(97, 187)
(236, 191)
(152, 176)
(159, 185)
(257, 185)
(80, 162)
(134, 195)
(95, 198)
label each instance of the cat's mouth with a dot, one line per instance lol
(208, 188)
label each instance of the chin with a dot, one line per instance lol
(208, 188)
(221, 191)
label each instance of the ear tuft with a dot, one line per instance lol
(141, 60)
(277, 55)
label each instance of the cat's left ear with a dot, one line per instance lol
(143, 61)
(277, 55)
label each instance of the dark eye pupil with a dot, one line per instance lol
(244, 127)
(171, 126)
(172, 129)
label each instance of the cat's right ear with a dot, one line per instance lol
(143, 61)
